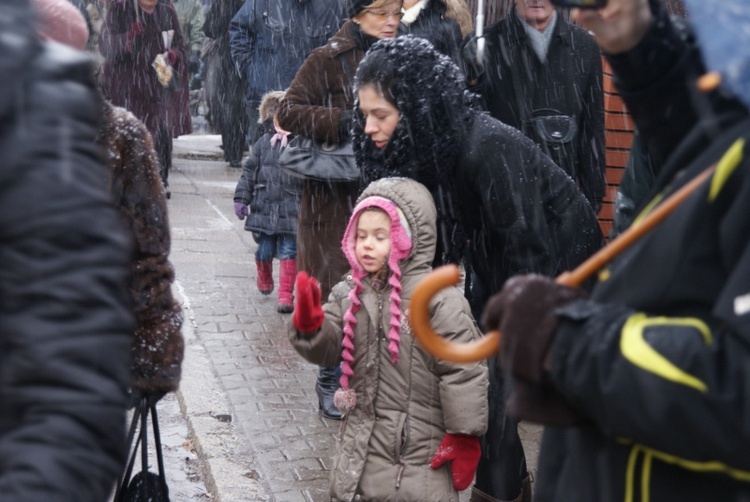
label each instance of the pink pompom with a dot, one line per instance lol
(345, 400)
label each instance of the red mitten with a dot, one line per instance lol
(171, 56)
(463, 452)
(308, 313)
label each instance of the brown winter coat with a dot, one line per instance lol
(403, 411)
(320, 93)
(138, 192)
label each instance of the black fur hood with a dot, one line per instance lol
(429, 91)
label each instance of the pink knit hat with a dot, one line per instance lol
(345, 398)
(61, 21)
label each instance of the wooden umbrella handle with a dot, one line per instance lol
(489, 345)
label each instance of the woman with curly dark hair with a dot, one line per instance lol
(493, 187)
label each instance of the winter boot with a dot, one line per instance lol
(326, 387)
(287, 274)
(265, 276)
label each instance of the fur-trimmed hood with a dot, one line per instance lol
(269, 104)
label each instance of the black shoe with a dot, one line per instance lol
(235, 163)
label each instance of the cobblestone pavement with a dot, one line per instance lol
(248, 397)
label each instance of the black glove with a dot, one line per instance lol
(524, 311)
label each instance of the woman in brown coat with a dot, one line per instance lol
(319, 105)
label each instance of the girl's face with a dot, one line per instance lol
(380, 22)
(381, 117)
(373, 242)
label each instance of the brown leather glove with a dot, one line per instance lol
(524, 311)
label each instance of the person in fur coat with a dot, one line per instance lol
(412, 421)
(493, 187)
(157, 346)
(274, 198)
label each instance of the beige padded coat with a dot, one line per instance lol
(403, 411)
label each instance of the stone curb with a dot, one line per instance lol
(208, 414)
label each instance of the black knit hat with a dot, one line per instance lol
(354, 7)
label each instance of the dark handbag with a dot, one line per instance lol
(555, 128)
(145, 486)
(310, 159)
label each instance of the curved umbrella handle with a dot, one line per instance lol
(489, 345)
(440, 278)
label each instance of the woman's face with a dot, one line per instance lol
(380, 22)
(381, 117)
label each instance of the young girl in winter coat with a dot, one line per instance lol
(412, 421)
(274, 198)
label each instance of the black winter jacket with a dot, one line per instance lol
(65, 317)
(522, 212)
(517, 87)
(273, 195)
(658, 359)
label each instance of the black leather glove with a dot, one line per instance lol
(524, 311)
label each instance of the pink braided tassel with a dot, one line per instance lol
(394, 334)
(345, 399)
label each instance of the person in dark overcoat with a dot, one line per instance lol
(270, 39)
(543, 76)
(318, 105)
(65, 317)
(645, 379)
(224, 87)
(273, 197)
(134, 33)
(492, 186)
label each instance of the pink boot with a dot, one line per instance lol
(287, 274)
(265, 276)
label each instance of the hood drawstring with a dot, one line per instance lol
(280, 135)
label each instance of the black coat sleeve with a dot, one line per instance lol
(65, 318)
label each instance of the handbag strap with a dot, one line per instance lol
(157, 445)
(138, 412)
(145, 407)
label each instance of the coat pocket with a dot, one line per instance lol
(401, 442)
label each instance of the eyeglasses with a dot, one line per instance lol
(382, 15)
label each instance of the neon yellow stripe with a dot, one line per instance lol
(636, 349)
(646, 477)
(725, 168)
(690, 465)
(630, 473)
